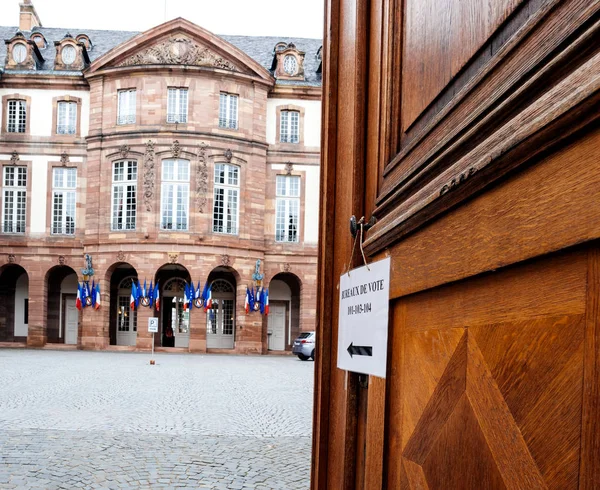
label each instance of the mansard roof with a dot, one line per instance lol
(259, 48)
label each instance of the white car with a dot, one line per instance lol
(304, 346)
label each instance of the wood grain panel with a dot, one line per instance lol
(547, 287)
(426, 356)
(589, 477)
(461, 457)
(537, 365)
(440, 37)
(480, 235)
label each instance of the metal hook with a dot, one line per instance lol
(354, 224)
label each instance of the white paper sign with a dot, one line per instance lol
(363, 319)
(153, 324)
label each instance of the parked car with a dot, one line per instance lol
(304, 346)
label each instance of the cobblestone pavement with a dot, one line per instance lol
(72, 419)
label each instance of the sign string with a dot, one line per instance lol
(361, 223)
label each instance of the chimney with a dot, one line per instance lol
(28, 18)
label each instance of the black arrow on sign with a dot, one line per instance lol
(360, 350)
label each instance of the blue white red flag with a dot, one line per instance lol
(78, 300)
(185, 297)
(93, 294)
(97, 295)
(266, 301)
(132, 298)
(157, 297)
(247, 302)
(208, 298)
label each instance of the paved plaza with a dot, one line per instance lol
(73, 419)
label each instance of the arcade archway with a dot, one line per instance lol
(14, 303)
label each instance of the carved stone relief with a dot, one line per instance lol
(149, 175)
(287, 267)
(179, 51)
(225, 260)
(201, 178)
(124, 150)
(11, 259)
(173, 257)
(14, 157)
(289, 168)
(228, 155)
(121, 257)
(64, 158)
(62, 260)
(175, 149)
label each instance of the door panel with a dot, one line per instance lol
(491, 403)
(71, 321)
(440, 37)
(469, 131)
(277, 327)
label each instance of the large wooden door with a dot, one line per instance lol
(469, 130)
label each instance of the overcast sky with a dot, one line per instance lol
(243, 17)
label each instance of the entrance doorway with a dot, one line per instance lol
(276, 327)
(14, 303)
(62, 315)
(123, 320)
(126, 317)
(220, 321)
(175, 321)
(70, 319)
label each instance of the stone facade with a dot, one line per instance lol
(38, 261)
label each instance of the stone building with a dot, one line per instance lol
(172, 155)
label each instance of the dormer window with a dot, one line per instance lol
(82, 38)
(39, 40)
(19, 53)
(68, 54)
(290, 64)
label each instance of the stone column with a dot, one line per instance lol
(38, 306)
(94, 330)
(200, 273)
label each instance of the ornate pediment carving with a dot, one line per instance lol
(179, 51)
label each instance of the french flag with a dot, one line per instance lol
(247, 303)
(97, 295)
(186, 297)
(133, 297)
(266, 301)
(208, 298)
(78, 300)
(157, 297)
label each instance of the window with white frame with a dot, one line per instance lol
(14, 199)
(287, 208)
(126, 109)
(124, 195)
(228, 111)
(66, 118)
(64, 184)
(17, 116)
(226, 199)
(175, 194)
(289, 129)
(177, 105)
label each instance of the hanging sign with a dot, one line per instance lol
(153, 324)
(363, 319)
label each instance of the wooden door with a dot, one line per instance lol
(469, 130)
(276, 328)
(71, 319)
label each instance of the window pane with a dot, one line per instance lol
(126, 107)
(66, 118)
(16, 122)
